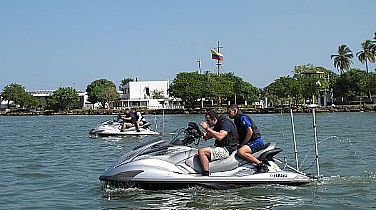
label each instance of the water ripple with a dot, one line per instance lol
(50, 162)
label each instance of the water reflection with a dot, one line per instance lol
(268, 196)
(252, 197)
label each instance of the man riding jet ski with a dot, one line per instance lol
(122, 127)
(132, 118)
(158, 164)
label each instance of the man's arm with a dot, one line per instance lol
(139, 116)
(126, 118)
(217, 135)
(248, 132)
(247, 136)
(210, 132)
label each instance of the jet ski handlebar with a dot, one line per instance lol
(192, 132)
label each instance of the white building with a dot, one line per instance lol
(146, 89)
(44, 94)
(140, 94)
(147, 94)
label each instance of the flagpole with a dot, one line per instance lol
(218, 61)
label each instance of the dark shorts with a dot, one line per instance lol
(257, 145)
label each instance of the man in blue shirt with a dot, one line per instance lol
(250, 140)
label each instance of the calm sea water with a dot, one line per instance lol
(50, 162)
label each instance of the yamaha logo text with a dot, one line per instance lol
(278, 175)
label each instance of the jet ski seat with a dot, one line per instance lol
(230, 163)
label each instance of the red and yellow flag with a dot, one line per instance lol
(217, 55)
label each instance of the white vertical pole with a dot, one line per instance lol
(163, 123)
(294, 139)
(316, 144)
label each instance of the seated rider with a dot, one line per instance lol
(140, 120)
(127, 120)
(250, 140)
(226, 139)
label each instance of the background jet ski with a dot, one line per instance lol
(159, 164)
(113, 128)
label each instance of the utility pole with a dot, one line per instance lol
(199, 65)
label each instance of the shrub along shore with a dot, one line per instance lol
(248, 110)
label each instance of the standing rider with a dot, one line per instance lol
(250, 140)
(226, 139)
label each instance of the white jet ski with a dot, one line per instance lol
(159, 164)
(113, 128)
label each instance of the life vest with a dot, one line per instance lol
(137, 116)
(133, 117)
(231, 140)
(242, 128)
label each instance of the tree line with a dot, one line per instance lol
(367, 54)
(193, 87)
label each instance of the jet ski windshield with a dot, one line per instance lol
(147, 147)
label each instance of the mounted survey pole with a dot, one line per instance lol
(313, 107)
(294, 139)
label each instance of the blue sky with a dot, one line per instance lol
(46, 44)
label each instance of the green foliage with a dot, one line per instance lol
(157, 94)
(103, 91)
(285, 88)
(222, 85)
(191, 86)
(31, 101)
(342, 60)
(124, 82)
(372, 82)
(241, 89)
(248, 92)
(367, 54)
(13, 92)
(351, 84)
(63, 99)
(310, 87)
(17, 93)
(308, 81)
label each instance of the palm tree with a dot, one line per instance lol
(367, 54)
(373, 47)
(124, 82)
(342, 60)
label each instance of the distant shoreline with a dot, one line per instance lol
(247, 110)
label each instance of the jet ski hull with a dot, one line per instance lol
(111, 128)
(106, 133)
(164, 174)
(158, 164)
(175, 181)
